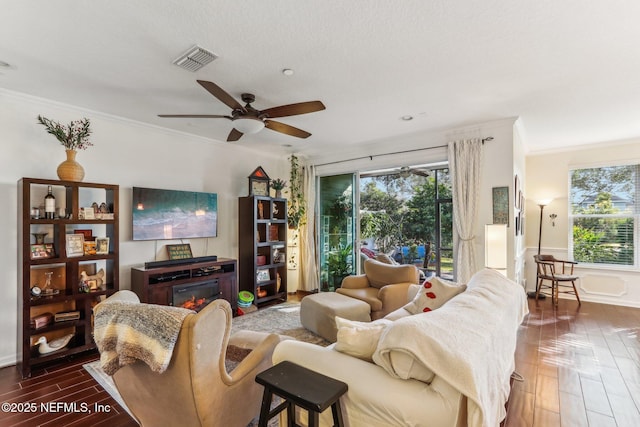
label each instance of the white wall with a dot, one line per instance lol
(548, 178)
(501, 156)
(127, 154)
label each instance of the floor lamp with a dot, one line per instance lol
(542, 204)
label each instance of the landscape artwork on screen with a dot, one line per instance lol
(173, 214)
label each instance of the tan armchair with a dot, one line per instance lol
(383, 286)
(196, 390)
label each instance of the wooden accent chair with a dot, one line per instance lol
(559, 273)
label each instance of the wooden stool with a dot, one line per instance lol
(302, 387)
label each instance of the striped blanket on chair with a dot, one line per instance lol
(126, 332)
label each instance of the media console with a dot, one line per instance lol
(155, 284)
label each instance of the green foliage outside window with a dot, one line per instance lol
(402, 212)
(603, 214)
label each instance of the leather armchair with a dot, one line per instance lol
(196, 389)
(383, 286)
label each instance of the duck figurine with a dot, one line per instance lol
(55, 345)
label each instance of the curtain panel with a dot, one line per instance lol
(308, 272)
(465, 163)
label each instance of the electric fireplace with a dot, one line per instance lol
(195, 296)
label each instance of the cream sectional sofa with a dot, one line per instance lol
(447, 367)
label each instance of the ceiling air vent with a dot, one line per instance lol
(195, 58)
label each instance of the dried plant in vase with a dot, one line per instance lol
(74, 136)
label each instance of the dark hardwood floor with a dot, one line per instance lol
(21, 399)
(581, 367)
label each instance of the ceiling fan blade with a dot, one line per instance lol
(234, 135)
(421, 173)
(219, 93)
(294, 109)
(197, 116)
(286, 129)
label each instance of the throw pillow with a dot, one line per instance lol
(434, 293)
(359, 339)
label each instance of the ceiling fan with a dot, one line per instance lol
(250, 120)
(406, 171)
(402, 172)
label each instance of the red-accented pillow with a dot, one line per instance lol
(434, 293)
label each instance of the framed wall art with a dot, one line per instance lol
(501, 205)
(516, 191)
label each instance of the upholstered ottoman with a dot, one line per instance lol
(318, 312)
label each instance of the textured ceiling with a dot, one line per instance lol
(569, 69)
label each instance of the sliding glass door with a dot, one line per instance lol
(404, 213)
(337, 224)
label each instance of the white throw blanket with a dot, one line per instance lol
(469, 342)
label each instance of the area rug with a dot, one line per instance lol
(281, 319)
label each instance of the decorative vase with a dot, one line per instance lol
(39, 238)
(278, 194)
(70, 170)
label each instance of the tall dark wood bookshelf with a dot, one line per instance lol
(262, 239)
(63, 291)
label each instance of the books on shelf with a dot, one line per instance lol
(41, 320)
(64, 316)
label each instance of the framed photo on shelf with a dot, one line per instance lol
(87, 233)
(89, 247)
(87, 213)
(263, 275)
(182, 251)
(102, 245)
(279, 255)
(93, 285)
(75, 245)
(42, 251)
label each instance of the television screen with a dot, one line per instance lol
(172, 214)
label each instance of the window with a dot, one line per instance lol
(604, 214)
(407, 214)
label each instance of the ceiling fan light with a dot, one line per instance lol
(248, 124)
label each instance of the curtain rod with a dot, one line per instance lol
(487, 139)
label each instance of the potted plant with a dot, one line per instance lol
(339, 265)
(296, 209)
(278, 185)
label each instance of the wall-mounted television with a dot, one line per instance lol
(172, 214)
